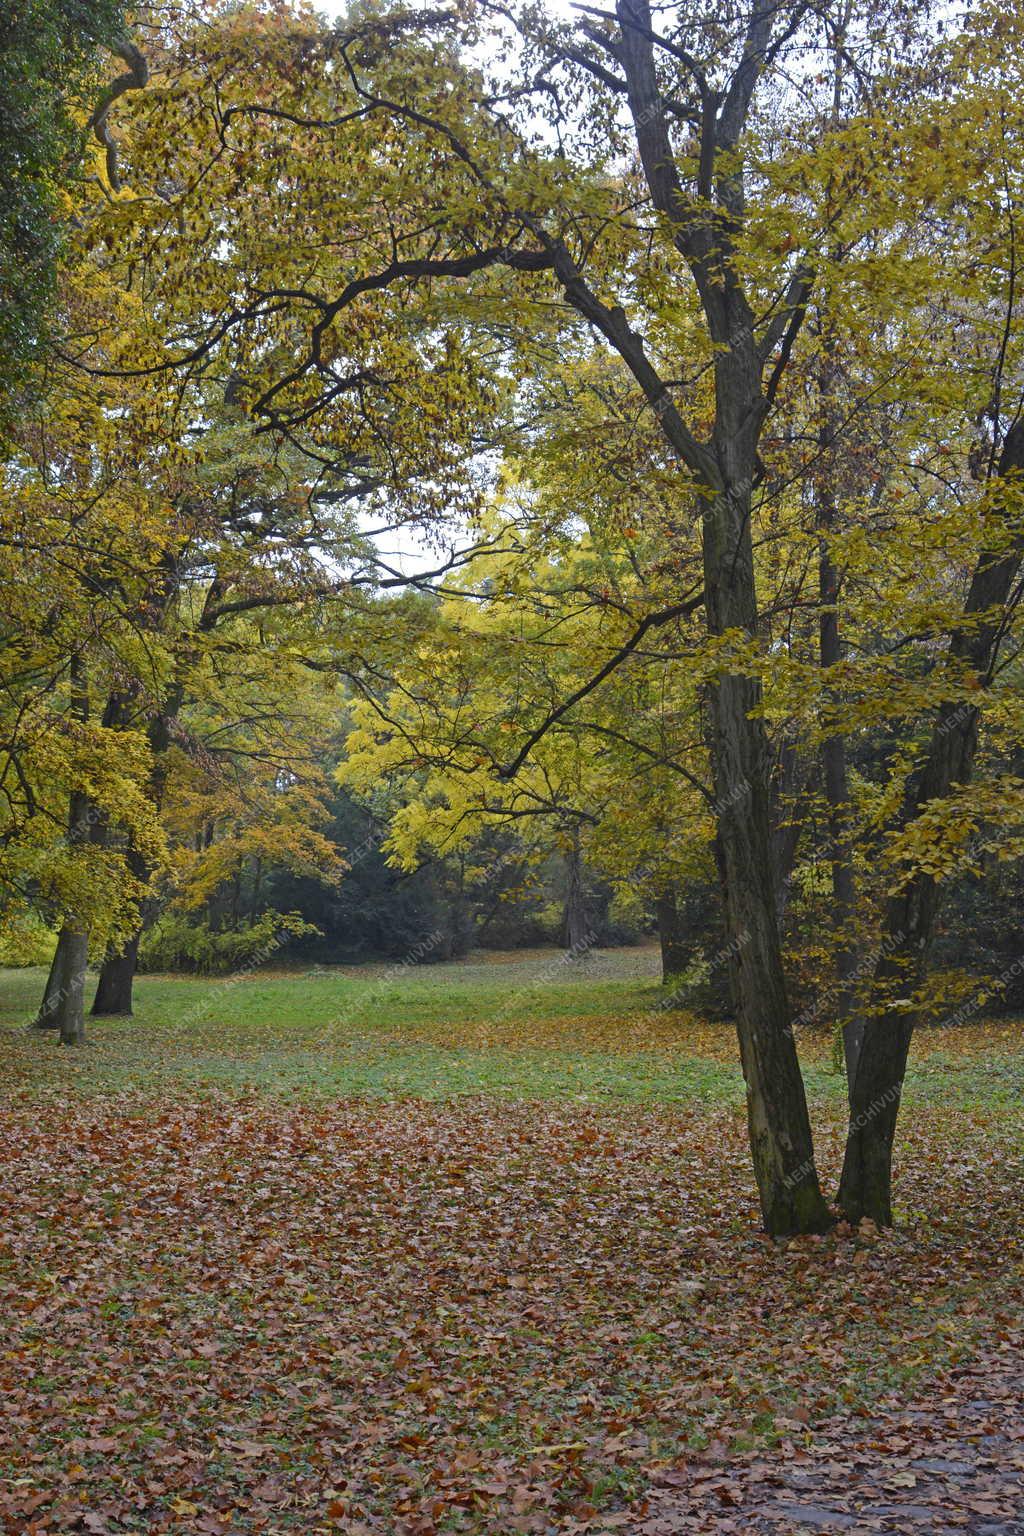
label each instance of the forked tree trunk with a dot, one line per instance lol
(866, 1185)
(114, 988)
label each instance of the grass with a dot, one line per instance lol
(467, 1248)
(530, 1025)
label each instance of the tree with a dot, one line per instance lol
(877, 1081)
(80, 540)
(698, 200)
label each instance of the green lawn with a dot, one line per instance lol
(526, 1026)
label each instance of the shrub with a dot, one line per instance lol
(178, 943)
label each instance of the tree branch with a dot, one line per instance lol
(652, 621)
(134, 78)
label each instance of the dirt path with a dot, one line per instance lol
(947, 1463)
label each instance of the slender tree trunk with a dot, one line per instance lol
(674, 948)
(779, 1125)
(462, 926)
(574, 922)
(866, 1185)
(830, 651)
(47, 1018)
(837, 798)
(833, 756)
(790, 782)
(114, 988)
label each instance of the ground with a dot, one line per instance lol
(474, 1248)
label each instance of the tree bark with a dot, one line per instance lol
(675, 954)
(866, 1185)
(71, 1008)
(63, 1005)
(47, 1018)
(114, 989)
(778, 1122)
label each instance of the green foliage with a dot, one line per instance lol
(177, 943)
(49, 73)
(25, 940)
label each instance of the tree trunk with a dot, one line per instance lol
(833, 756)
(875, 1088)
(461, 920)
(674, 949)
(789, 785)
(837, 798)
(866, 1185)
(63, 1005)
(575, 931)
(725, 470)
(779, 1125)
(71, 1009)
(117, 974)
(47, 1018)
(833, 748)
(114, 988)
